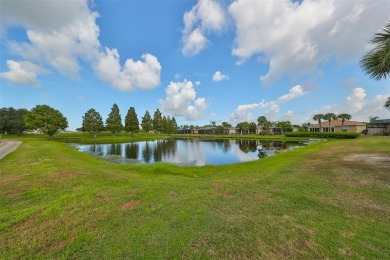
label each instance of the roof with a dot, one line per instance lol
(381, 121)
(334, 123)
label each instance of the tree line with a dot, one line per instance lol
(93, 122)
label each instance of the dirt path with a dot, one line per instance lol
(8, 146)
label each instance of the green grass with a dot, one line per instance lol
(313, 202)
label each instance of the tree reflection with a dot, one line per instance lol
(132, 150)
(247, 145)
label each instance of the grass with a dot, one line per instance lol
(313, 202)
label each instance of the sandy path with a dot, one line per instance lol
(8, 146)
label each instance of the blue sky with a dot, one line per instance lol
(199, 61)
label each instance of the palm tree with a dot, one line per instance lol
(330, 117)
(376, 62)
(318, 118)
(387, 104)
(344, 117)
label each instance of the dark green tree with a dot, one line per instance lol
(387, 103)
(252, 127)
(261, 120)
(373, 118)
(376, 62)
(12, 120)
(146, 122)
(92, 122)
(114, 120)
(46, 119)
(244, 127)
(157, 121)
(173, 124)
(131, 121)
(226, 124)
(164, 125)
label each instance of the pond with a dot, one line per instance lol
(194, 151)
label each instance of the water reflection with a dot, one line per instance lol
(190, 151)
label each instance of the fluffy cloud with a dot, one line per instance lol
(24, 73)
(280, 32)
(181, 101)
(357, 104)
(139, 74)
(219, 76)
(205, 16)
(68, 33)
(244, 112)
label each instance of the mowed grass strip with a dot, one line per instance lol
(327, 200)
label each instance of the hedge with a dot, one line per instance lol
(345, 135)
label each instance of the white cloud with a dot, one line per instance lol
(280, 31)
(134, 74)
(289, 116)
(68, 33)
(205, 16)
(244, 112)
(24, 73)
(358, 106)
(181, 101)
(219, 76)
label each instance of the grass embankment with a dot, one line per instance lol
(313, 202)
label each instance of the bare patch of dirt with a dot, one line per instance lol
(345, 251)
(130, 204)
(378, 159)
(173, 196)
(228, 195)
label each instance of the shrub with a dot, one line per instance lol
(345, 135)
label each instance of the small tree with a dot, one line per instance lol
(114, 120)
(373, 118)
(285, 126)
(46, 119)
(174, 125)
(344, 117)
(164, 125)
(131, 121)
(157, 121)
(92, 122)
(146, 122)
(244, 127)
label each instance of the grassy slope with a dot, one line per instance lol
(308, 203)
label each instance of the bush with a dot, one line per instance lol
(345, 135)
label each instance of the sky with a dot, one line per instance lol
(199, 61)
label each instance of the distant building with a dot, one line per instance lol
(378, 127)
(338, 126)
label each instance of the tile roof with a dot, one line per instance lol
(334, 123)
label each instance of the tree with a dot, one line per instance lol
(285, 126)
(318, 118)
(373, 118)
(329, 117)
(146, 122)
(164, 125)
(376, 62)
(244, 127)
(92, 122)
(213, 123)
(344, 117)
(226, 124)
(157, 120)
(252, 127)
(173, 124)
(261, 120)
(114, 120)
(387, 104)
(131, 121)
(46, 119)
(12, 120)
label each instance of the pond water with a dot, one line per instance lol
(188, 151)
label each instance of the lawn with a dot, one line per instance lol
(326, 200)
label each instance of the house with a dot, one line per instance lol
(378, 127)
(276, 130)
(338, 126)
